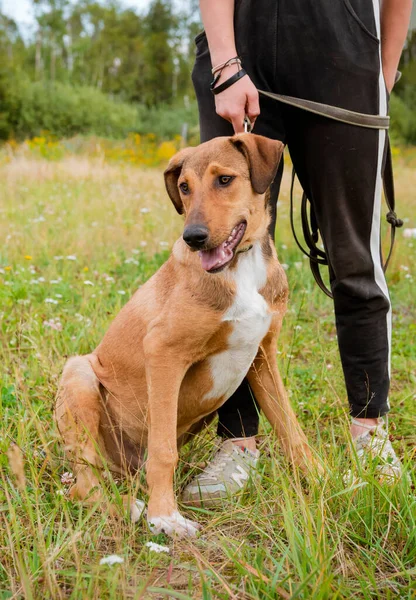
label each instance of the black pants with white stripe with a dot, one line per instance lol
(327, 51)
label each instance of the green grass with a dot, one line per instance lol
(285, 538)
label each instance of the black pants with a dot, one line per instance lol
(327, 51)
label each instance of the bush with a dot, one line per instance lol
(28, 108)
(167, 121)
(403, 118)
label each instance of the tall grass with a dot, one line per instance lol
(79, 236)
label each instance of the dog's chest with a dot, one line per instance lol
(250, 318)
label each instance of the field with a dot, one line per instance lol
(79, 235)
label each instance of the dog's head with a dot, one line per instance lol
(221, 188)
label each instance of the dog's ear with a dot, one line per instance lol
(172, 173)
(263, 157)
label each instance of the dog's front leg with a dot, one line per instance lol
(268, 389)
(164, 374)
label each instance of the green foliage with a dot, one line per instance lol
(98, 69)
(32, 107)
(403, 117)
(29, 108)
(139, 58)
(166, 123)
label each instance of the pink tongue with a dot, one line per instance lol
(215, 258)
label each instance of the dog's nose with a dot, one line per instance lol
(195, 235)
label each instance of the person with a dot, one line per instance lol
(339, 52)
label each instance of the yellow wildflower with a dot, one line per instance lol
(28, 257)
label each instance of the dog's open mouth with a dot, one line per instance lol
(215, 259)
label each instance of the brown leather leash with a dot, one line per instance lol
(310, 228)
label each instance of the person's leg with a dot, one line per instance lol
(340, 168)
(238, 418)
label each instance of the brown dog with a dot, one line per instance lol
(184, 342)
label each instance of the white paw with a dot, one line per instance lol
(136, 510)
(174, 524)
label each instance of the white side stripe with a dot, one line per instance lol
(375, 227)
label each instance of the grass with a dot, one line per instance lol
(79, 235)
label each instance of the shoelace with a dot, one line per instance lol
(215, 467)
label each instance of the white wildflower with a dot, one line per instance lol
(409, 233)
(71, 257)
(122, 292)
(144, 210)
(112, 559)
(51, 301)
(285, 266)
(88, 282)
(58, 257)
(157, 547)
(164, 244)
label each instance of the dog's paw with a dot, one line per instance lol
(137, 508)
(174, 524)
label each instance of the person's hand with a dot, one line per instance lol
(240, 99)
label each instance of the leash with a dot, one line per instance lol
(310, 228)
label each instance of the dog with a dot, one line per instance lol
(209, 317)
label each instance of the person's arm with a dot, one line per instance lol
(242, 97)
(395, 19)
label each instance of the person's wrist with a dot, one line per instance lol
(228, 72)
(221, 56)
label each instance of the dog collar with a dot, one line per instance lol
(244, 249)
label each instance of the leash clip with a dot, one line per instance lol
(248, 125)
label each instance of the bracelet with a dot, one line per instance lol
(230, 61)
(227, 83)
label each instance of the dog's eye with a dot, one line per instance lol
(184, 187)
(224, 180)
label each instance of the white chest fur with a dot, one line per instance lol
(250, 317)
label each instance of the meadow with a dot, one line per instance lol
(80, 232)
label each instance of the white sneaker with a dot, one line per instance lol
(225, 476)
(374, 449)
